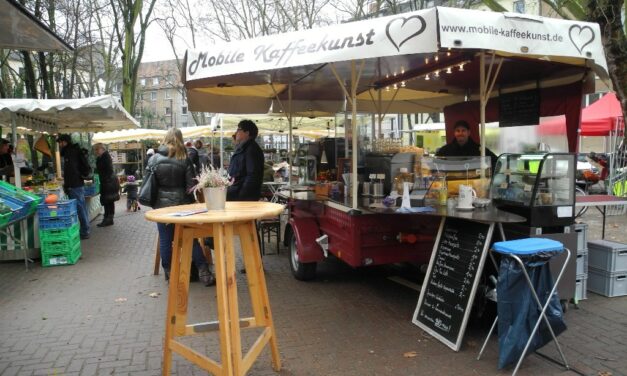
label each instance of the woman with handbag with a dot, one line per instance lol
(168, 180)
(109, 184)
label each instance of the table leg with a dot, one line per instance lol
(603, 228)
(170, 317)
(157, 257)
(185, 243)
(232, 303)
(257, 286)
(222, 296)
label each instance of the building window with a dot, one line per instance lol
(168, 95)
(142, 82)
(168, 111)
(153, 95)
(184, 110)
(184, 124)
(155, 81)
(519, 6)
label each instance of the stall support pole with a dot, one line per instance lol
(291, 154)
(354, 82)
(352, 98)
(221, 142)
(482, 100)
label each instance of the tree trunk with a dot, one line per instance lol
(607, 13)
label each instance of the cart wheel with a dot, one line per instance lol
(301, 271)
(564, 304)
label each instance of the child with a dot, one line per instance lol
(131, 188)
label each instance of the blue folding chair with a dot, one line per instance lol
(524, 252)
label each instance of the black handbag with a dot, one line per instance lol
(148, 192)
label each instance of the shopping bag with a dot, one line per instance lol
(148, 192)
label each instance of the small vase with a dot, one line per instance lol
(215, 198)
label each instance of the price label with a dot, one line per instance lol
(527, 188)
(503, 185)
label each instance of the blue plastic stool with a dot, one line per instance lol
(525, 248)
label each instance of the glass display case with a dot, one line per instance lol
(538, 186)
(454, 171)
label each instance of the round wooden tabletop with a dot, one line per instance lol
(236, 211)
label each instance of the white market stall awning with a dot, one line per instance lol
(22, 31)
(96, 114)
(412, 62)
(128, 135)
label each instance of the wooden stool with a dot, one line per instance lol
(238, 219)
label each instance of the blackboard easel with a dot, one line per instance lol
(449, 288)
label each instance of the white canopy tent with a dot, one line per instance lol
(95, 114)
(413, 62)
(54, 116)
(128, 135)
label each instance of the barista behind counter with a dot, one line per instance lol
(464, 146)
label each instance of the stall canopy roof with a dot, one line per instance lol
(420, 61)
(53, 116)
(598, 119)
(267, 124)
(22, 31)
(128, 135)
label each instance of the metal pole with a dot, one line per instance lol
(289, 140)
(483, 100)
(221, 142)
(354, 132)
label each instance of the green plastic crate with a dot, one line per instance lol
(4, 218)
(55, 234)
(21, 195)
(57, 246)
(61, 258)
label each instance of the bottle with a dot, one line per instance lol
(443, 192)
(403, 177)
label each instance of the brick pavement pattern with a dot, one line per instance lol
(97, 318)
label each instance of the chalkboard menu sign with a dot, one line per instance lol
(521, 108)
(449, 287)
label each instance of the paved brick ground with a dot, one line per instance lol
(97, 318)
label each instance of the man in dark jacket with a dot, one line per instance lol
(463, 145)
(75, 169)
(246, 167)
(192, 154)
(6, 162)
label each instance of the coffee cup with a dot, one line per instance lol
(466, 195)
(546, 198)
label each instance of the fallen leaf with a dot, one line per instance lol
(615, 225)
(154, 294)
(120, 300)
(604, 373)
(371, 351)
(410, 354)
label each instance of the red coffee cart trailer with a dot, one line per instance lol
(473, 65)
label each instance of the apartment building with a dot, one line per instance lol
(161, 101)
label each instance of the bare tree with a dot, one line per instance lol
(126, 14)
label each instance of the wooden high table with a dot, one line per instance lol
(237, 219)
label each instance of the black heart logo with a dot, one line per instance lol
(400, 31)
(580, 36)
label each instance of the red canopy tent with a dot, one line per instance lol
(598, 119)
